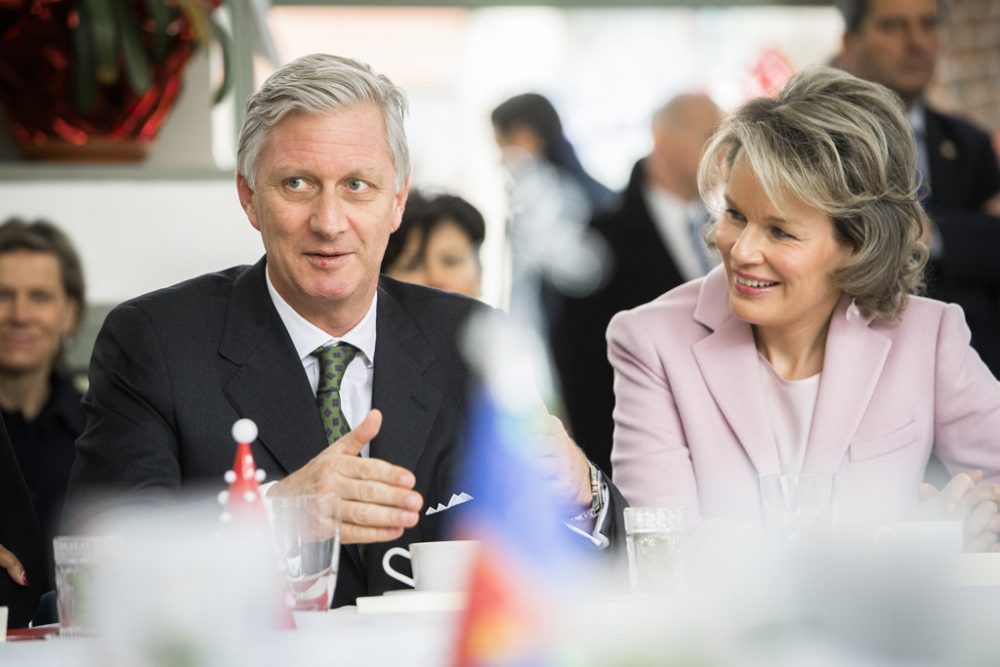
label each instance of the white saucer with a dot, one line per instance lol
(413, 591)
(411, 600)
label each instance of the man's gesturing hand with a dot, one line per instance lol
(377, 498)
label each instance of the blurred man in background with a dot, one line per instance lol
(655, 238)
(896, 43)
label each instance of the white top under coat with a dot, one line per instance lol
(790, 405)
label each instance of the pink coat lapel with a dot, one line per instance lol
(728, 361)
(727, 358)
(852, 365)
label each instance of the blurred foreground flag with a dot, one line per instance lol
(529, 559)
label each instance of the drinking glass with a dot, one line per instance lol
(796, 507)
(307, 544)
(654, 540)
(79, 560)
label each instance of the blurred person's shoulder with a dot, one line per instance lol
(953, 124)
(429, 306)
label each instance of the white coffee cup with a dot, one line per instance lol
(437, 566)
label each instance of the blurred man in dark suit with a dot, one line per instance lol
(896, 43)
(655, 237)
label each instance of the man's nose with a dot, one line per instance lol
(920, 38)
(329, 215)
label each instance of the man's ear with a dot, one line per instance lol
(399, 205)
(246, 194)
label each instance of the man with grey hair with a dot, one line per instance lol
(896, 43)
(655, 238)
(354, 380)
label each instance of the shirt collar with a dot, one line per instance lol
(915, 117)
(306, 336)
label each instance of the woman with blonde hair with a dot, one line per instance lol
(806, 350)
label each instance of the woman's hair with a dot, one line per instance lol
(841, 145)
(322, 84)
(423, 213)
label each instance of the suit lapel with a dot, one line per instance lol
(409, 401)
(728, 361)
(852, 365)
(270, 385)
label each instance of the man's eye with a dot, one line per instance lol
(295, 183)
(356, 185)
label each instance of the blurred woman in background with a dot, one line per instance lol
(437, 244)
(41, 301)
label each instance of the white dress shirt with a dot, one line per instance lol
(791, 405)
(672, 217)
(356, 387)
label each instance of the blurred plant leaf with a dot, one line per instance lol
(84, 76)
(197, 16)
(137, 65)
(161, 19)
(226, 46)
(99, 19)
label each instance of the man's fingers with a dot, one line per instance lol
(352, 443)
(981, 493)
(927, 491)
(955, 490)
(982, 542)
(376, 516)
(353, 534)
(379, 493)
(980, 518)
(376, 470)
(9, 562)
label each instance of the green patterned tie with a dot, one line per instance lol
(333, 361)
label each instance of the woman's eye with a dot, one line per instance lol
(734, 215)
(780, 233)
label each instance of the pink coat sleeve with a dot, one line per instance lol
(967, 402)
(650, 461)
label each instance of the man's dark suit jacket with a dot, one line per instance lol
(171, 371)
(20, 535)
(963, 175)
(643, 270)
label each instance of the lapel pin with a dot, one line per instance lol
(948, 149)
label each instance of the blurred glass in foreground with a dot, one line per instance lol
(655, 539)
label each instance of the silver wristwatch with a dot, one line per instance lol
(596, 495)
